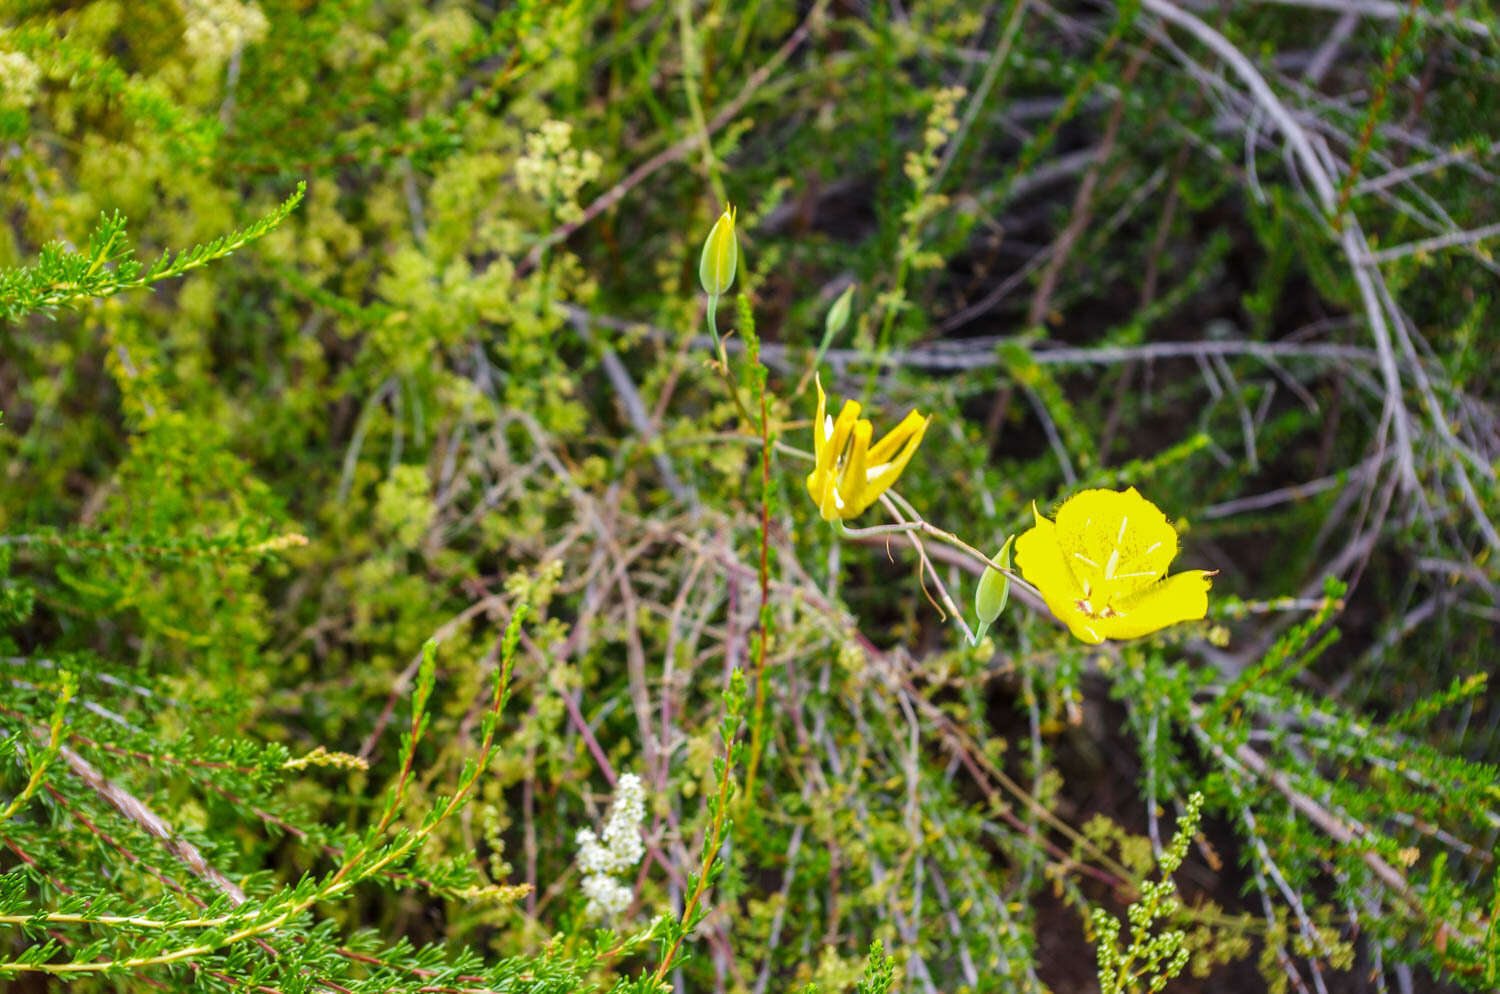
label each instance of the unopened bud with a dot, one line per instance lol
(838, 314)
(720, 255)
(993, 592)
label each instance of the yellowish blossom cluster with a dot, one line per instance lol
(552, 170)
(19, 77)
(1101, 567)
(216, 29)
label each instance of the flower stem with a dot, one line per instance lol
(933, 531)
(722, 360)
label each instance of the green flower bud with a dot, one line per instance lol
(720, 255)
(838, 314)
(993, 592)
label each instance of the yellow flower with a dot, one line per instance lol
(850, 474)
(1102, 567)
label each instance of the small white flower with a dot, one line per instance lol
(622, 833)
(608, 898)
(620, 848)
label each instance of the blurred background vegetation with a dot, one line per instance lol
(428, 346)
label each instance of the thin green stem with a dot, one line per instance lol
(722, 359)
(711, 846)
(757, 721)
(713, 323)
(927, 528)
(49, 753)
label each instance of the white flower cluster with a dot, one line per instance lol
(18, 80)
(608, 897)
(216, 29)
(620, 848)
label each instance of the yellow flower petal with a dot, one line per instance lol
(881, 475)
(852, 480)
(1040, 558)
(1182, 597)
(1117, 543)
(821, 487)
(820, 442)
(912, 424)
(823, 482)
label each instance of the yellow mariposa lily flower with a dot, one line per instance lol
(850, 473)
(1102, 567)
